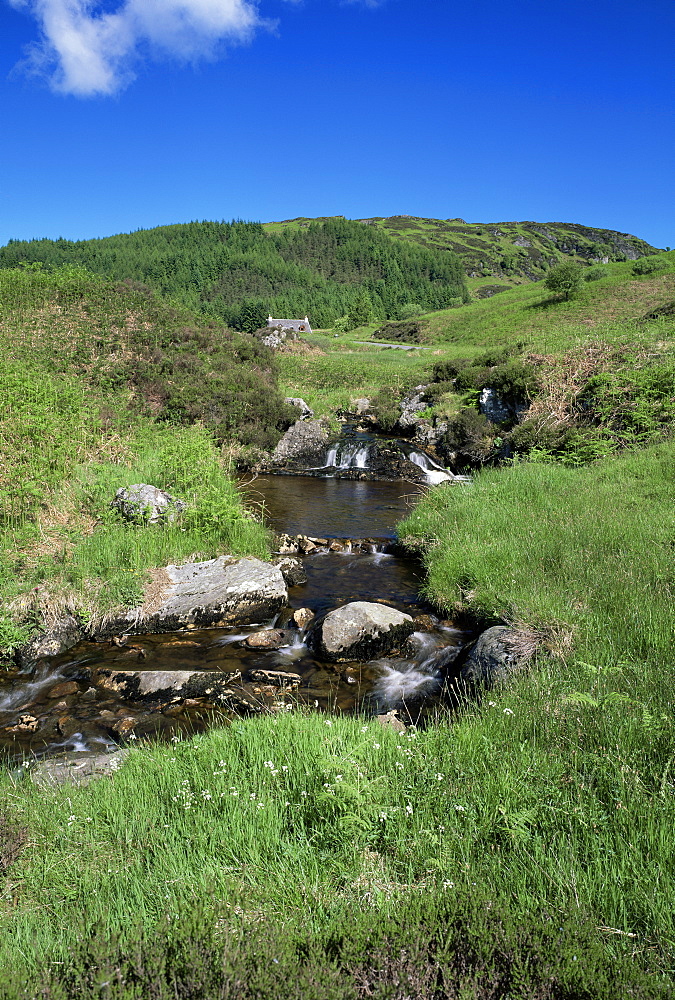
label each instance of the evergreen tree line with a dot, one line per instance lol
(239, 273)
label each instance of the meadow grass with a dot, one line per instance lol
(524, 808)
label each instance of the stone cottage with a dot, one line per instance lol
(296, 325)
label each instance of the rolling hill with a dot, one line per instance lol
(500, 254)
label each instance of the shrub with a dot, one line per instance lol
(596, 273)
(409, 310)
(470, 438)
(648, 265)
(564, 279)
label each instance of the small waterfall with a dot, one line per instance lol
(348, 455)
(434, 472)
(13, 698)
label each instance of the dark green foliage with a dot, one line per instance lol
(515, 381)
(407, 332)
(239, 273)
(253, 316)
(386, 409)
(564, 279)
(648, 265)
(513, 378)
(446, 371)
(470, 438)
(428, 948)
(180, 369)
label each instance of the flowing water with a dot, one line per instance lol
(66, 705)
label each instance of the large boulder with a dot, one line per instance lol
(145, 504)
(360, 631)
(492, 660)
(304, 444)
(222, 591)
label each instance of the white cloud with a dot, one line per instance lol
(86, 50)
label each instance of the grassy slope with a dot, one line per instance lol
(72, 431)
(492, 250)
(546, 808)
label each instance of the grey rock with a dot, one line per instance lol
(360, 631)
(492, 660)
(493, 407)
(428, 436)
(65, 635)
(305, 443)
(165, 685)
(292, 569)
(411, 405)
(222, 591)
(145, 504)
(306, 413)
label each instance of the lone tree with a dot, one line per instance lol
(564, 279)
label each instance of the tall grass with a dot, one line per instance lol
(512, 811)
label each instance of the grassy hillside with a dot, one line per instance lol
(506, 253)
(105, 385)
(239, 274)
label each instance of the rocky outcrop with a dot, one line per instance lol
(494, 407)
(360, 631)
(303, 445)
(411, 406)
(145, 504)
(492, 660)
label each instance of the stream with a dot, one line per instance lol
(63, 707)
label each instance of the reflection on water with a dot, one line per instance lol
(332, 508)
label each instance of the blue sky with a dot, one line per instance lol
(126, 114)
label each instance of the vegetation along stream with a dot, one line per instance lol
(342, 530)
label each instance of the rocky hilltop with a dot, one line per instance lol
(509, 253)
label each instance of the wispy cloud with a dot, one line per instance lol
(87, 49)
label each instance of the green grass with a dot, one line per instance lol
(606, 309)
(524, 806)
